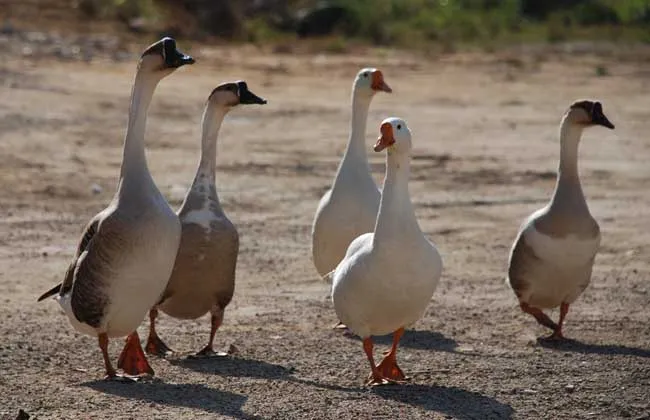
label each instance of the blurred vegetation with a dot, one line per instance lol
(412, 23)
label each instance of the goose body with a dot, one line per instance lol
(388, 276)
(203, 278)
(349, 208)
(552, 257)
(111, 289)
(558, 265)
(127, 251)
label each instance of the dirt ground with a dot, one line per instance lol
(485, 135)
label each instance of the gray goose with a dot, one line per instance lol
(203, 279)
(127, 251)
(553, 255)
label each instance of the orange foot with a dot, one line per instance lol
(389, 369)
(155, 346)
(386, 372)
(132, 359)
(377, 380)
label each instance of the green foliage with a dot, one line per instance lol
(417, 22)
(409, 23)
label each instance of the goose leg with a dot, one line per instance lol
(103, 345)
(375, 377)
(557, 333)
(215, 322)
(154, 344)
(388, 366)
(540, 316)
(132, 359)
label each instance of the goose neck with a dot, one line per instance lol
(134, 160)
(356, 144)
(213, 117)
(396, 217)
(569, 140)
(568, 180)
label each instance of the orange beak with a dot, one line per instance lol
(378, 82)
(386, 139)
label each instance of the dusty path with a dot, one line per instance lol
(485, 154)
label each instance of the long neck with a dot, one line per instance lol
(396, 217)
(134, 161)
(213, 117)
(568, 179)
(355, 154)
(204, 180)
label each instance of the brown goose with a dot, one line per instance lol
(127, 252)
(203, 279)
(552, 258)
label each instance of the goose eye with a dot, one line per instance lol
(365, 75)
(399, 126)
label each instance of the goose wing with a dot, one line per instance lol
(66, 285)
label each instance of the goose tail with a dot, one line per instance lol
(53, 291)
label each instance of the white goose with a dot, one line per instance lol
(387, 277)
(552, 258)
(349, 208)
(127, 252)
(203, 279)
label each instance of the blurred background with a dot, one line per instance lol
(483, 85)
(338, 25)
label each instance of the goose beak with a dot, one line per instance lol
(602, 120)
(599, 118)
(386, 139)
(181, 59)
(247, 97)
(378, 83)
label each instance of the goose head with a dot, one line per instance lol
(370, 81)
(395, 136)
(162, 58)
(586, 113)
(231, 94)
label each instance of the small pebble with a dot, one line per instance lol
(570, 388)
(96, 189)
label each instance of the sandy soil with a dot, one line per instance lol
(486, 148)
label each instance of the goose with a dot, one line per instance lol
(127, 251)
(203, 278)
(349, 208)
(388, 276)
(553, 254)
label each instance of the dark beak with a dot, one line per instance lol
(179, 59)
(174, 58)
(599, 118)
(246, 97)
(602, 120)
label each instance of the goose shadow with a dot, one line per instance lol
(451, 401)
(195, 396)
(234, 367)
(576, 346)
(418, 339)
